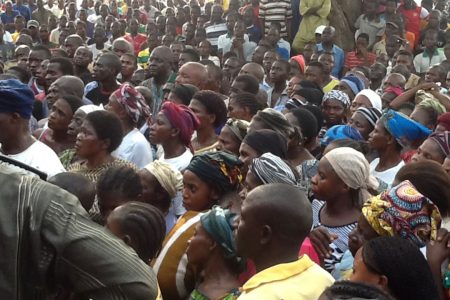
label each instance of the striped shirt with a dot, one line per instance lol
(340, 245)
(352, 60)
(48, 243)
(275, 11)
(214, 31)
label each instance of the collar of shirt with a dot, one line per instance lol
(320, 48)
(435, 53)
(278, 273)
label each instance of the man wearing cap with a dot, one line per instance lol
(327, 45)
(16, 105)
(23, 9)
(33, 26)
(41, 14)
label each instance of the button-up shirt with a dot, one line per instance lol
(423, 61)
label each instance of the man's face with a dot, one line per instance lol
(157, 63)
(314, 74)
(231, 19)
(128, 66)
(53, 73)
(404, 60)
(71, 46)
(328, 35)
(34, 61)
(268, 60)
(231, 68)
(279, 72)
(43, 33)
(176, 50)
(134, 26)
(19, 24)
(432, 75)
(82, 57)
(33, 31)
(328, 61)
(273, 36)
(216, 13)
(430, 40)
(119, 48)
(101, 69)
(41, 72)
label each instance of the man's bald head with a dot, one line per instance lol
(254, 69)
(164, 53)
(121, 46)
(70, 85)
(193, 73)
(394, 80)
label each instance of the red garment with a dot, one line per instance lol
(308, 249)
(136, 41)
(40, 97)
(352, 60)
(412, 20)
(407, 156)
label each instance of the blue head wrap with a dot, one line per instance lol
(402, 128)
(341, 132)
(355, 84)
(16, 97)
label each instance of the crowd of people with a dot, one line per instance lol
(224, 150)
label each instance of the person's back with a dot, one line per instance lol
(46, 229)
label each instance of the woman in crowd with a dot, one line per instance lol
(243, 106)
(366, 98)
(211, 111)
(161, 187)
(364, 120)
(273, 120)
(340, 187)
(231, 136)
(386, 262)
(100, 134)
(351, 85)
(212, 249)
(335, 107)
(340, 132)
(173, 129)
(436, 147)
(182, 93)
(207, 180)
(56, 136)
(350, 290)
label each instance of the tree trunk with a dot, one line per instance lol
(342, 17)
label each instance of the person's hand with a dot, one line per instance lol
(430, 86)
(321, 240)
(439, 250)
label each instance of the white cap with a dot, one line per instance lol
(320, 29)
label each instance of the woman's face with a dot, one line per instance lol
(200, 246)
(334, 112)
(251, 182)
(87, 143)
(429, 150)
(361, 234)
(197, 194)
(359, 101)
(60, 116)
(150, 191)
(237, 111)
(378, 138)
(361, 124)
(160, 130)
(247, 154)
(227, 141)
(75, 123)
(326, 184)
(206, 119)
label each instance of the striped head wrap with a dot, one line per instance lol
(238, 128)
(133, 102)
(403, 211)
(168, 177)
(354, 83)
(443, 141)
(339, 96)
(371, 114)
(269, 168)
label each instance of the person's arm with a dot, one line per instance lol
(437, 252)
(407, 95)
(443, 99)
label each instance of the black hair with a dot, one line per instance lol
(213, 104)
(248, 100)
(364, 36)
(285, 63)
(441, 71)
(132, 56)
(73, 101)
(310, 84)
(21, 74)
(146, 227)
(363, 69)
(317, 112)
(121, 180)
(405, 53)
(307, 122)
(360, 146)
(112, 62)
(431, 180)
(393, 257)
(42, 48)
(80, 186)
(107, 126)
(354, 290)
(251, 84)
(318, 65)
(275, 25)
(192, 53)
(407, 105)
(65, 65)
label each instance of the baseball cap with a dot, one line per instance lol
(320, 29)
(33, 23)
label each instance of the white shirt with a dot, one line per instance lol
(41, 157)
(422, 61)
(135, 148)
(180, 162)
(55, 10)
(95, 51)
(388, 175)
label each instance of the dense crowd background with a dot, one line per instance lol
(226, 150)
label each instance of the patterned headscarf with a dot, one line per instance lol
(269, 168)
(341, 132)
(405, 212)
(183, 118)
(443, 140)
(219, 169)
(168, 177)
(238, 127)
(402, 128)
(339, 96)
(133, 102)
(371, 114)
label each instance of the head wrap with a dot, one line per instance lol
(168, 177)
(339, 96)
(238, 128)
(444, 120)
(133, 102)
(443, 140)
(341, 132)
(89, 108)
(185, 92)
(402, 128)
(301, 61)
(267, 141)
(396, 90)
(219, 169)
(276, 121)
(433, 104)
(271, 169)
(354, 83)
(16, 97)
(371, 114)
(374, 98)
(182, 118)
(404, 212)
(353, 169)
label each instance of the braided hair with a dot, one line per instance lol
(351, 290)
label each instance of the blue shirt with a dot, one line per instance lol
(9, 19)
(24, 10)
(339, 59)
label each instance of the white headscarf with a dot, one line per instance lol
(90, 108)
(373, 97)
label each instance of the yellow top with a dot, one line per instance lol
(299, 280)
(330, 86)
